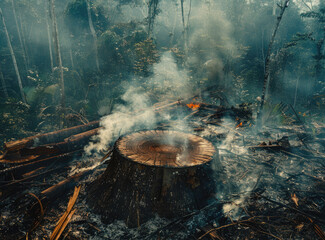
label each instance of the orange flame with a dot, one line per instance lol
(193, 105)
(239, 125)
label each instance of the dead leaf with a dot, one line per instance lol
(299, 227)
(295, 199)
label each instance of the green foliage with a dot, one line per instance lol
(14, 119)
(76, 16)
(126, 48)
(112, 51)
(146, 56)
(299, 37)
(240, 92)
(274, 114)
(316, 15)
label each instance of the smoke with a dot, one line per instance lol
(135, 114)
(209, 42)
(136, 111)
(245, 186)
(168, 81)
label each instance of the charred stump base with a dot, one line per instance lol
(164, 172)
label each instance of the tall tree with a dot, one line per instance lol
(93, 33)
(24, 40)
(283, 7)
(3, 83)
(185, 26)
(319, 18)
(13, 58)
(152, 13)
(57, 52)
(48, 35)
(19, 35)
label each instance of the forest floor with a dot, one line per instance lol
(270, 185)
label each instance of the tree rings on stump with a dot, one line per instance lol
(163, 172)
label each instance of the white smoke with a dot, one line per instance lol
(167, 83)
(134, 114)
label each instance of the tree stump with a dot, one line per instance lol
(163, 172)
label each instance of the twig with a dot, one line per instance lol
(294, 209)
(224, 226)
(191, 114)
(269, 234)
(219, 124)
(29, 178)
(178, 220)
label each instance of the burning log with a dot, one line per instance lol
(164, 172)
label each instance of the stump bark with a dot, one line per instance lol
(154, 172)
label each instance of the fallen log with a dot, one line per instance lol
(51, 137)
(69, 144)
(19, 170)
(65, 185)
(281, 144)
(266, 147)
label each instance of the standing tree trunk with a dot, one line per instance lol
(58, 53)
(173, 31)
(3, 83)
(184, 28)
(93, 32)
(319, 57)
(268, 59)
(274, 8)
(183, 20)
(19, 36)
(188, 22)
(296, 93)
(24, 40)
(71, 59)
(13, 59)
(152, 13)
(49, 36)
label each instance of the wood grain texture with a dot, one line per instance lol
(166, 149)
